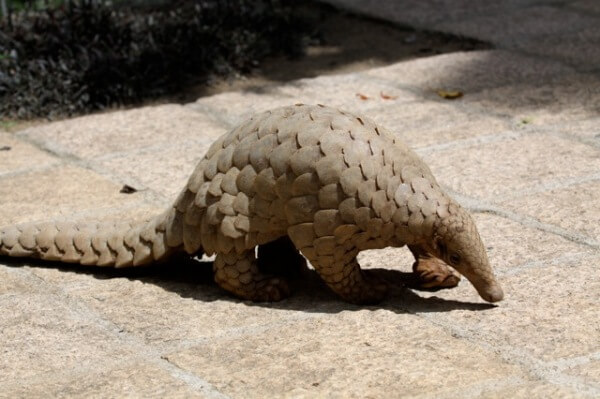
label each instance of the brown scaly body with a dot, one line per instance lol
(331, 182)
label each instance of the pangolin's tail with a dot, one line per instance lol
(115, 243)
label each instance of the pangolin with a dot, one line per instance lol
(313, 179)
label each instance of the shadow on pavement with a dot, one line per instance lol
(193, 279)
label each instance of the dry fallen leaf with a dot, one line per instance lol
(127, 189)
(387, 97)
(362, 96)
(450, 94)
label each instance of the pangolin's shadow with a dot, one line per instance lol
(191, 278)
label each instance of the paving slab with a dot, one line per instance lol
(49, 334)
(100, 134)
(533, 389)
(16, 156)
(352, 92)
(590, 372)
(571, 97)
(423, 124)
(507, 167)
(139, 380)
(576, 208)
(550, 313)
(192, 308)
(163, 169)
(470, 72)
(60, 191)
(383, 351)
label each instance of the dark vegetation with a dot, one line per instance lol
(86, 55)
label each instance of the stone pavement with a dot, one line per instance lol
(521, 149)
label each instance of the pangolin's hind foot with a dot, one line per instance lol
(431, 273)
(370, 291)
(239, 274)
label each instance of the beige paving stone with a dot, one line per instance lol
(164, 170)
(14, 280)
(549, 313)
(511, 245)
(532, 390)
(575, 208)
(234, 107)
(59, 191)
(178, 303)
(511, 387)
(371, 353)
(425, 123)
(135, 380)
(585, 128)
(469, 72)
(590, 372)
(91, 136)
(565, 99)
(42, 334)
(353, 92)
(520, 24)
(21, 156)
(506, 167)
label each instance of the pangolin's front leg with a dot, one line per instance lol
(342, 273)
(239, 274)
(431, 273)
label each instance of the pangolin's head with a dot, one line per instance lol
(456, 241)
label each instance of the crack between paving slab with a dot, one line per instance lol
(209, 112)
(150, 196)
(478, 206)
(556, 132)
(161, 147)
(142, 350)
(192, 380)
(270, 91)
(568, 260)
(34, 169)
(563, 364)
(550, 185)
(470, 142)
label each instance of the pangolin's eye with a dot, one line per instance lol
(455, 259)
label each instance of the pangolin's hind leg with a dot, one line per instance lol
(281, 258)
(431, 273)
(238, 273)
